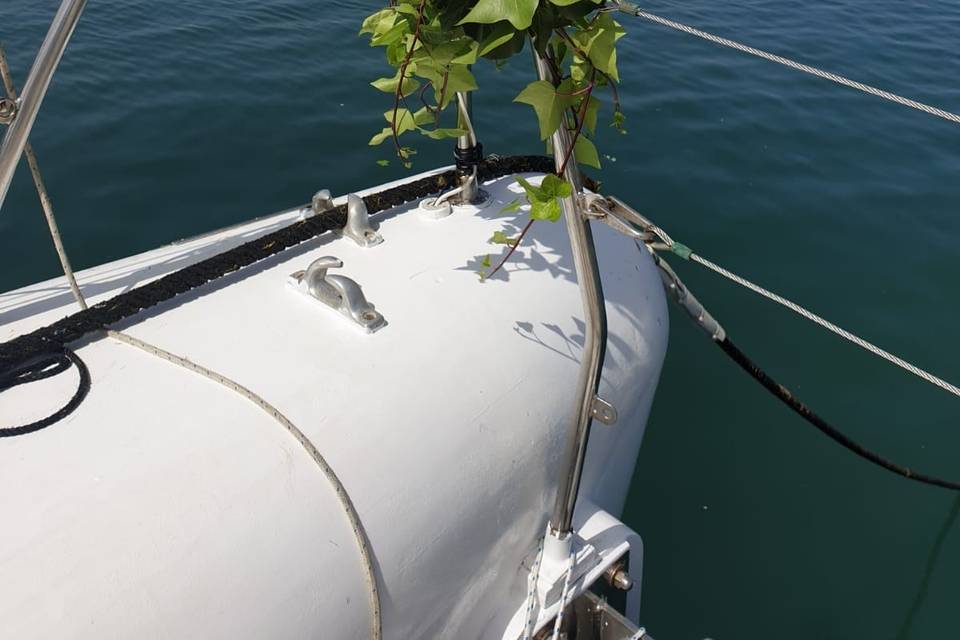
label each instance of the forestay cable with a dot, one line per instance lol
(655, 238)
(45, 203)
(632, 9)
(829, 326)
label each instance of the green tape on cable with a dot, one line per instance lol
(681, 250)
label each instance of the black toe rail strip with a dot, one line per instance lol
(54, 337)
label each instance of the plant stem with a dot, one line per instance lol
(580, 120)
(513, 247)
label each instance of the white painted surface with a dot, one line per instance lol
(167, 506)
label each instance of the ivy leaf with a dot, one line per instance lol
(405, 121)
(383, 163)
(590, 117)
(460, 50)
(548, 102)
(501, 33)
(372, 22)
(545, 199)
(407, 8)
(485, 263)
(545, 210)
(389, 85)
(392, 35)
(553, 187)
(518, 12)
(460, 79)
(470, 55)
(456, 77)
(440, 134)
(600, 44)
(532, 191)
(586, 152)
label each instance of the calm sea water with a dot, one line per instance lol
(168, 119)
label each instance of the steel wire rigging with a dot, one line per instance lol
(632, 9)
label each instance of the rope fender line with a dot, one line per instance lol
(125, 305)
(356, 524)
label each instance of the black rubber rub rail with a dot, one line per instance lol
(53, 339)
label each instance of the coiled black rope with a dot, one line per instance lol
(784, 395)
(40, 368)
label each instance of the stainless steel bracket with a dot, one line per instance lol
(358, 226)
(603, 411)
(8, 110)
(613, 213)
(340, 293)
(322, 201)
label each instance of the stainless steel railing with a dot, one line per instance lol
(35, 89)
(595, 344)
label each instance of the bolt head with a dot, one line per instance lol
(8, 110)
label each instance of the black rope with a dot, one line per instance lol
(53, 338)
(46, 367)
(805, 412)
(35, 369)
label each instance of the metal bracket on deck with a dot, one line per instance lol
(358, 226)
(603, 411)
(322, 201)
(614, 213)
(340, 293)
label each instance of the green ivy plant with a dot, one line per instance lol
(431, 45)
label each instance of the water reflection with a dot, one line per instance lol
(932, 561)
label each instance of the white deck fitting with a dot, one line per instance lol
(168, 506)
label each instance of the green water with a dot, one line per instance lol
(171, 119)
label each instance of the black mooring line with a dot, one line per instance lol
(785, 396)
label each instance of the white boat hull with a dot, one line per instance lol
(169, 506)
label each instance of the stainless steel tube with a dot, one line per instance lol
(468, 141)
(36, 88)
(595, 319)
(465, 120)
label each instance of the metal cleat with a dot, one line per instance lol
(358, 226)
(338, 292)
(322, 201)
